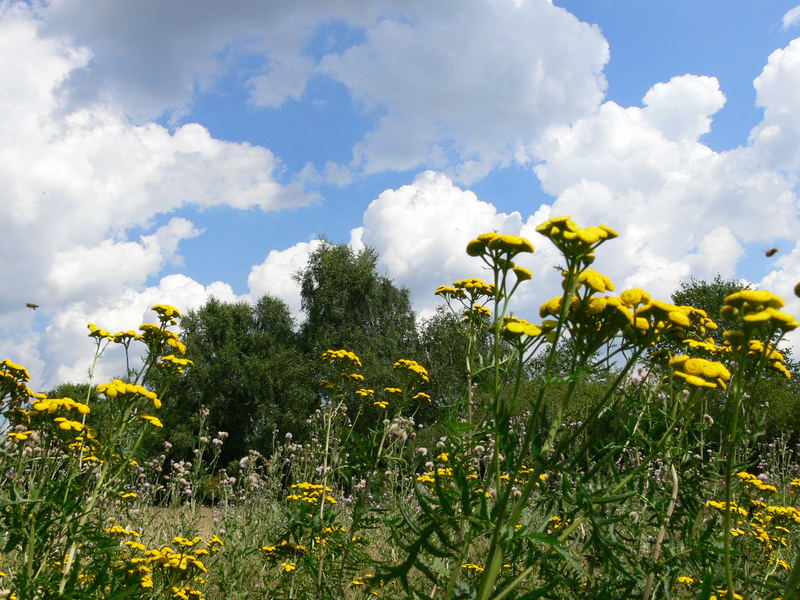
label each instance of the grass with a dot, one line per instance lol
(646, 480)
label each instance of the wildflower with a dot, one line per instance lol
(594, 280)
(178, 364)
(362, 580)
(522, 273)
(382, 404)
(472, 567)
(448, 291)
(186, 542)
(288, 566)
(479, 310)
(332, 355)
(165, 310)
(475, 288)
(311, 493)
(20, 435)
(686, 580)
(365, 393)
(118, 529)
(699, 372)
(125, 337)
(393, 390)
(574, 241)
(430, 477)
(214, 544)
(758, 306)
(413, 366)
(515, 328)
(154, 421)
(67, 425)
(497, 245)
(51, 405)
(98, 333)
(117, 388)
(421, 396)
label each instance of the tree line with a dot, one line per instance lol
(256, 373)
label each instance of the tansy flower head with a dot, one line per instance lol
(342, 355)
(154, 421)
(167, 311)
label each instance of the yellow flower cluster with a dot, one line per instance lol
(430, 476)
(125, 337)
(774, 358)
(365, 393)
(594, 281)
(13, 378)
(362, 579)
(166, 311)
(721, 507)
(352, 377)
(144, 563)
(515, 327)
(497, 245)
(758, 306)
(700, 372)
(475, 287)
(118, 387)
(154, 421)
(98, 333)
(574, 241)
(332, 355)
(175, 363)
(752, 482)
(472, 567)
(421, 396)
(311, 493)
(477, 311)
(412, 366)
(155, 335)
(283, 548)
(51, 405)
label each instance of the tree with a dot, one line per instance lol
(349, 305)
(249, 373)
(443, 346)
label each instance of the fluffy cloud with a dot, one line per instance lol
(791, 17)
(83, 193)
(776, 139)
(68, 352)
(75, 183)
(468, 86)
(462, 86)
(421, 231)
(682, 208)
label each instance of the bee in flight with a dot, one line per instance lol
(32, 305)
(771, 252)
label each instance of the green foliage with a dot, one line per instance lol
(247, 372)
(348, 304)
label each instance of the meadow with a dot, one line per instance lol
(631, 466)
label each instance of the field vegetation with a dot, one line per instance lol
(620, 447)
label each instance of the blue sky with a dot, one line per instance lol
(158, 154)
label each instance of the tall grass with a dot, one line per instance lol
(617, 470)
